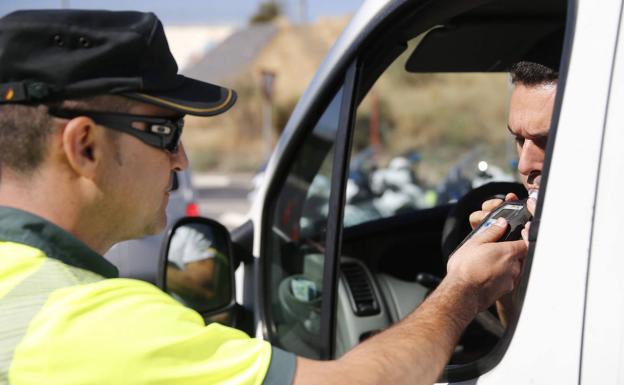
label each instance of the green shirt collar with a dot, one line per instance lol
(22, 227)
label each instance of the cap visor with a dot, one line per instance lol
(193, 97)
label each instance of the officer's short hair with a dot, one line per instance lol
(25, 129)
(532, 74)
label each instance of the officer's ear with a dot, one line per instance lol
(84, 146)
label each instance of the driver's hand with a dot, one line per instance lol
(531, 204)
(488, 268)
(478, 216)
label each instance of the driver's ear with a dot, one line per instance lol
(83, 146)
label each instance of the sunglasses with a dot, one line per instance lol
(159, 132)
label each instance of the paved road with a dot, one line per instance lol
(223, 197)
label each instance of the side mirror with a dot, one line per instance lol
(196, 265)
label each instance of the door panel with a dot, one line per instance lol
(603, 331)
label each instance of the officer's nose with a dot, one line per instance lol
(179, 160)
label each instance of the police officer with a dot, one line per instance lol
(91, 110)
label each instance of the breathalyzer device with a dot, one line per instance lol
(515, 212)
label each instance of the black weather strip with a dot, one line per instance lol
(336, 209)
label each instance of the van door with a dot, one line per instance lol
(603, 329)
(548, 346)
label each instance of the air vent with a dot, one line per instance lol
(360, 289)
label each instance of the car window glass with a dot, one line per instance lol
(296, 244)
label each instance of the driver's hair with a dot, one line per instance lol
(532, 74)
(25, 129)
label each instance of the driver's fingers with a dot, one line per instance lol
(486, 207)
(477, 217)
(525, 233)
(531, 203)
(511, 197)
(491, 204)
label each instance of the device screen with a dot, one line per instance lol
(504, 211)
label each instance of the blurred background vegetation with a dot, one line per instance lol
(415, 111)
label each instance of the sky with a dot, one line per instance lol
(216, 12)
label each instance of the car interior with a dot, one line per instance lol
(391, 260)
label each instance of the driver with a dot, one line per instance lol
(91, 113)
(530, 113)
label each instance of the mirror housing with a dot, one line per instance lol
(196, 265)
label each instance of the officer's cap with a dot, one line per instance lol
(50, 55)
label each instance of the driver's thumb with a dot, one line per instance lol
(491, 233)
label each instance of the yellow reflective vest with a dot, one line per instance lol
(65, 319)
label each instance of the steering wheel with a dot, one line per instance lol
(457, 227)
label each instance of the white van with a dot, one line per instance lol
(362, 268)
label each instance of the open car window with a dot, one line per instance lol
(425, 139)
(421, 142)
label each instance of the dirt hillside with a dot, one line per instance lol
(423, 109)
(233, 141)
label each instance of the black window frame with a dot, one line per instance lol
(347, 81)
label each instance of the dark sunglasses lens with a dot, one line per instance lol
(173, 140)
